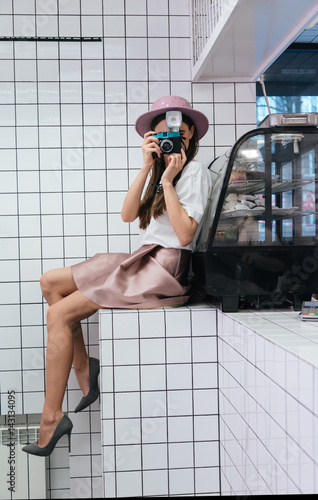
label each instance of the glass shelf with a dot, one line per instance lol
(258, 187)
(258, 213)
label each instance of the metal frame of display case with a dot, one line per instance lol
(229, 277)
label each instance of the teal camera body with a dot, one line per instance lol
(170, 142)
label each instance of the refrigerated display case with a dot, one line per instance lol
(258, 242)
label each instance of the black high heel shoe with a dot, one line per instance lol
(63, 427)
(93, 386)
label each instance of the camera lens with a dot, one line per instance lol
(166, 146)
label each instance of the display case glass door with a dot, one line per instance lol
(265, 224)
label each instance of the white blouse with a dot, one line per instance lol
(193, 190)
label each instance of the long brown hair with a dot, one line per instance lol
(153, 203)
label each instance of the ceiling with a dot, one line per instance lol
(251, 34)
(295, 71)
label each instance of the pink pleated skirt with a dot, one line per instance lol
(150, 277)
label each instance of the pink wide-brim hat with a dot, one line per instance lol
(172, 103)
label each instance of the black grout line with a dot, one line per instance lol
(167, 415)
(114, 402)
(48, 39)
(106, 145)
(40, 225)
(192, 402)
(18, 228)
(126, 107)
(140, 408)
(218, 398)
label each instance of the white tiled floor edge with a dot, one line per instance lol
(159, 402)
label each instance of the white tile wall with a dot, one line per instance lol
(60, 188)
(159, 402)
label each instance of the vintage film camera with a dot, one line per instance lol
(170, 142)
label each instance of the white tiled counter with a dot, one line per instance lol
(159, 402)
(171, 399)
(268, 372)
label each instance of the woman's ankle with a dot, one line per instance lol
(81, 366)
(49, 417)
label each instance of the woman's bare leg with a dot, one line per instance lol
(56, 285)
(61, 317)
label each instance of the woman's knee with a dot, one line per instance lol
(56, 284)
(47, 283)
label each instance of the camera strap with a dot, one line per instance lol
(158, 186)
(183, 142)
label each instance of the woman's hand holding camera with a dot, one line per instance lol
(150, 146)
(183, 225)
(175, 165)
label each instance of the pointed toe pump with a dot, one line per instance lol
(64, 427)
(93, 386)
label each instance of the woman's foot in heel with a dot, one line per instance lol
(93, 392)
(63, 427)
